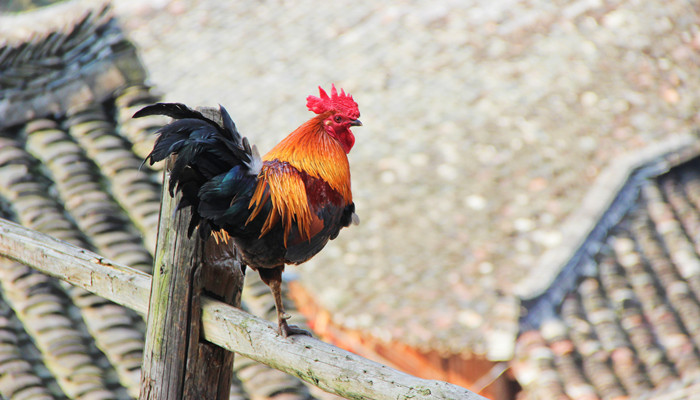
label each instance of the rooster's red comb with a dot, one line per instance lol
(341, 103)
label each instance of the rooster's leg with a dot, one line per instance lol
(273, 278)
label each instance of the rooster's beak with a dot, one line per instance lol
(355, 122)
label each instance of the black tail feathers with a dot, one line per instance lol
(207, 144)
(172, 110)
(189, 124)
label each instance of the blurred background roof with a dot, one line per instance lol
(622, 320)
(484, 125)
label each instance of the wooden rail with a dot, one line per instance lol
(321, 364)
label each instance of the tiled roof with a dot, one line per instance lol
(629, 325)
(484, 124)
(71, 166)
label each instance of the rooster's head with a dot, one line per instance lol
(339, 112)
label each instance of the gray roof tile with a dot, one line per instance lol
(631, 324)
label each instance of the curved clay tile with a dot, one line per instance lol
(618, 349)
(106, 322)
(94, 210)
(63, 347)
(39, 301)
(680, 198)
(664, 323)
(534, 367)
(594, 358)
(139, 131)
(676, 289)
(628, 310)
(18, 377)
(133, 186)
(680, 249)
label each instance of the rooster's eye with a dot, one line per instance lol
(337, 119)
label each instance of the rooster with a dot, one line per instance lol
(279, 209)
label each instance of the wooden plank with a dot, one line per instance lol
(319, 363)
(177, 364)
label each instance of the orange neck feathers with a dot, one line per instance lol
(311, 150)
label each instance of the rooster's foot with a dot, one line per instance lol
(287, 330)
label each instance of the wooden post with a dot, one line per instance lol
(178, 363)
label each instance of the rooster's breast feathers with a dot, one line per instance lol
(306, 180)
(301, 202)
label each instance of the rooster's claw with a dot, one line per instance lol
(287, 330)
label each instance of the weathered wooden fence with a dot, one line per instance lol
(170, 373)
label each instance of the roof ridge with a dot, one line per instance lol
(47, 72)
(24, 26)
(601, 208)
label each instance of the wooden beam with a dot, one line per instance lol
(118, 283)
(177, 364)
(319, 363)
